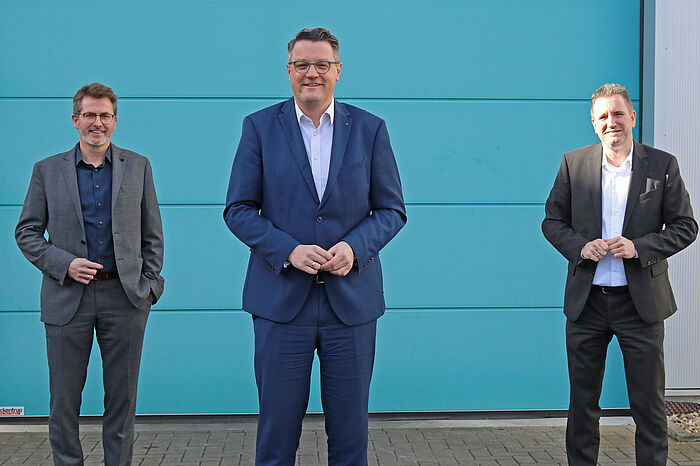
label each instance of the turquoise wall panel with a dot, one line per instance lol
(447, 151)
(393, 48)
(446, 256)
(481, 100)
(426, 360)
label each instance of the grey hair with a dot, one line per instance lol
(609, 90)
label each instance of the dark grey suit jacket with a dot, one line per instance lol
(658, 219)
(53, 204)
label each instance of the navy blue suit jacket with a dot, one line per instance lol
(272, 206)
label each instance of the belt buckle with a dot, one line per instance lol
(318, 279)
(604, 290)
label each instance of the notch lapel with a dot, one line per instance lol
(71, 177)
(639, 169)
(595, 169)
(341, 133)
(118, 167)
(290, 128)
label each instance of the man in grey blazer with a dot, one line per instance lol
(617, 211)
(101, 270)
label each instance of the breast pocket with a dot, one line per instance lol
(651, 189)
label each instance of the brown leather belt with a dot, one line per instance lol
(99, 275)
(611, 289)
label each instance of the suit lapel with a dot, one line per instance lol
(341, 133)
(595, 167)
(118, 166)
(71, 177)
(639, 169)
(290, 128)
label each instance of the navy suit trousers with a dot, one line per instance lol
(284, 355)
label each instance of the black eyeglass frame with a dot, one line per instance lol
(95, 115)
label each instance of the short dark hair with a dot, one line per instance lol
(316, 35)
(609, 90)
(96, 91)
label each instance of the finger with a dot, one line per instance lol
(92, 265)
(343, 265)
(331, 264)
(321, 259)
(322, 253)
(340, 272)
(81, 279)
(316, 266)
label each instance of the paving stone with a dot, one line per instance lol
(387, 446)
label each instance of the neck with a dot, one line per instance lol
(94, 155)
(314, 112)
(617, 155)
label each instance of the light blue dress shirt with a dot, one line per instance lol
(318, 143)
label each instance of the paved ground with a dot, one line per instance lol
(420, 442)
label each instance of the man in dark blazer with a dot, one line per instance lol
(101, 265)
(315, 193)
(617, 211)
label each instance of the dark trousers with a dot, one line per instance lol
(641, 343)
(284, 355)
(106, 310)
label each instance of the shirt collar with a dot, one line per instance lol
(79, 155)
(330, 111)
(627, 164)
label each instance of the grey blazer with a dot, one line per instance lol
(658, 219)
(53, 204)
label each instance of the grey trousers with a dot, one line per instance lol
(105, 310)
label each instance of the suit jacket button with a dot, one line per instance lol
(319, 219)
(82, 241)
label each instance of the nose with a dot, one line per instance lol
(312, 71)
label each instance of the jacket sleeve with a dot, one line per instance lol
(30, 229)
(388, 212)
(151, 235)
(557, 224)
(244, 200)
(680, 228)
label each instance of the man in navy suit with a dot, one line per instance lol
(315, 193)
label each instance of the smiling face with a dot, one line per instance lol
(613, 121)
(313, 91)
(95, 133)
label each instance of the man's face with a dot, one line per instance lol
(95, 133)
(613, 121)
(313, 89)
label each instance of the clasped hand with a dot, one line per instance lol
(619, 246)
(311, 259)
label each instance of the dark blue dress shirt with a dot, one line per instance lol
(95, 188)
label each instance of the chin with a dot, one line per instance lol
(100, 142)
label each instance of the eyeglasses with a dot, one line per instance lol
(105, 118)
(322, 66)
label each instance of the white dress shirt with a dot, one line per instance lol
(318, 143)
(615, 185)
